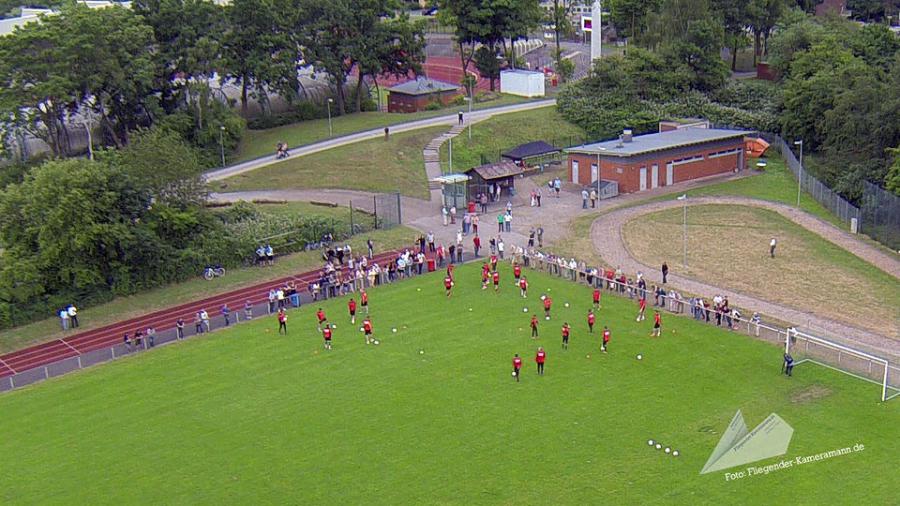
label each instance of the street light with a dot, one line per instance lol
(799, 172)
(683, 199)
(469, 117)
(222, 143)
(450, 156)
(330, 130)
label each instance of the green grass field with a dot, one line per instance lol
(375, 165)
(433, 416)
(257, 143)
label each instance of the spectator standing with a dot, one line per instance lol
(484, 203)
(73, 315)
(64, 318)
(500, 246)
(459, 253)
(430, 239)
(151, 337)
(444, 215)
(500, 222)
(204, 316)
(665, 271)
(272, 300)
(261, 255)
(179, 329)
(540, 236)
(371, 246)
(507, 221)
(460, 115)
(226, 313)
(198, 323)
(270, 254)
(475, 223)
(772, 245)
(538, 196)
(476, 242)
(584, 198)
(593, 199)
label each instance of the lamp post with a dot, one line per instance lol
(799, 172)
(222, 143)
(683, 199)
(330, 130)
(450, 156)
(469, 117)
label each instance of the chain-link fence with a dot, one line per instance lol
(824, 195)
(881, 215)
(387, 210)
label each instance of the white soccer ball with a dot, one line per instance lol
(667, 450)
(546, 317)
(658, 446)
(543, 297)
(651, 442)
(361, 329)
(375, 342)
(524, 309)
(675, 453)
(418, 289)
(394, 330)
(334, 325)
(640, 357)
(470, 309)
(566, 304)
(514, 374)
(421, 352)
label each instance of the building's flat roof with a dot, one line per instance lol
(657, 142)
(530, 150)
(522, 71)
(422, 86)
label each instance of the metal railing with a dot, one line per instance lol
(841, 357)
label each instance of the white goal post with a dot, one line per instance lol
(805, 348)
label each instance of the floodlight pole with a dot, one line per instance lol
(683, 198)
(450, 152)
(469, 118)
(598, 176)
(800, 171)
(222, 143)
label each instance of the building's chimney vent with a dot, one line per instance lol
(626, 135)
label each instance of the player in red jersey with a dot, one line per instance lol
(517, 366)
(534, 325)
(364, 300)
(448, 285)
(565, 335)
(282, 321)
(320, 315)
(596, 297)
(657, 324)
(591, 319)
(494, 263)
(367, 329)
(540, 357)
(547, 303)
(642, 306)
(485, 276)
(496, 277)
(606, 337)
(450, 271)
(326, 333)
(523, 287)
(517, 271)
(351, 306)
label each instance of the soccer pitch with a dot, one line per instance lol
(247, 416)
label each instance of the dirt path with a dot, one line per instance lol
(606, 235)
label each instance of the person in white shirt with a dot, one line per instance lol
(279, 296)
(73, 315)
(500, 247)
(772, 245)
(204, 317)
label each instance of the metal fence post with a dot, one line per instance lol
(399, 210)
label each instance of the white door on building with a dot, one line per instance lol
(670, 174)
(574, 171)
(594, 172)
(643, 178)
(654, 177)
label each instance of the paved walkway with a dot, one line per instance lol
(450, 119)
(607, 238)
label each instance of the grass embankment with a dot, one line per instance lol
(432, 415)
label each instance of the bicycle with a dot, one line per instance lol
(213, 271)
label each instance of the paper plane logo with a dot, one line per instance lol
(740, 446)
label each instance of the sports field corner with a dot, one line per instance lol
(431, 415)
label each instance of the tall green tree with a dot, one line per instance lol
(631, 17)
(258, 51)
(396, 48)
(734, 16)
(762, 16)
(559, 18)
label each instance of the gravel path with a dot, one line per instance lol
(606, 234)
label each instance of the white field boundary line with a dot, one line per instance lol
(8, 366)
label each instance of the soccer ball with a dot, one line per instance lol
(566, 304)
(421, 352)
(334, 325)
(546, 317)
(549, 289)
(418, 289)
(543, 297)
(640, 357)
(452, 283)
(470, 309)
(675, 453)
(361, 329)
(658, 446)
(650, 442)
(394, 330)
(514, 374)
(375, 342)
(667, 450)
(524, 309)
(588, 355)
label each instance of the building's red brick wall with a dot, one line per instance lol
(626, 172)
(398, 102)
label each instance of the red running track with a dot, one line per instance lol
(104, 337)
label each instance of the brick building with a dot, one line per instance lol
(648, 161)
(415, 95)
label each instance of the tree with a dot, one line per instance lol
(257, 51)
(630, 17)
(762, 15)
(892, 180)
(397, 48)
(734, 15)
(558, 17)
(487, 64)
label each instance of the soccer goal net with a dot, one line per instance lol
(808, 349)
